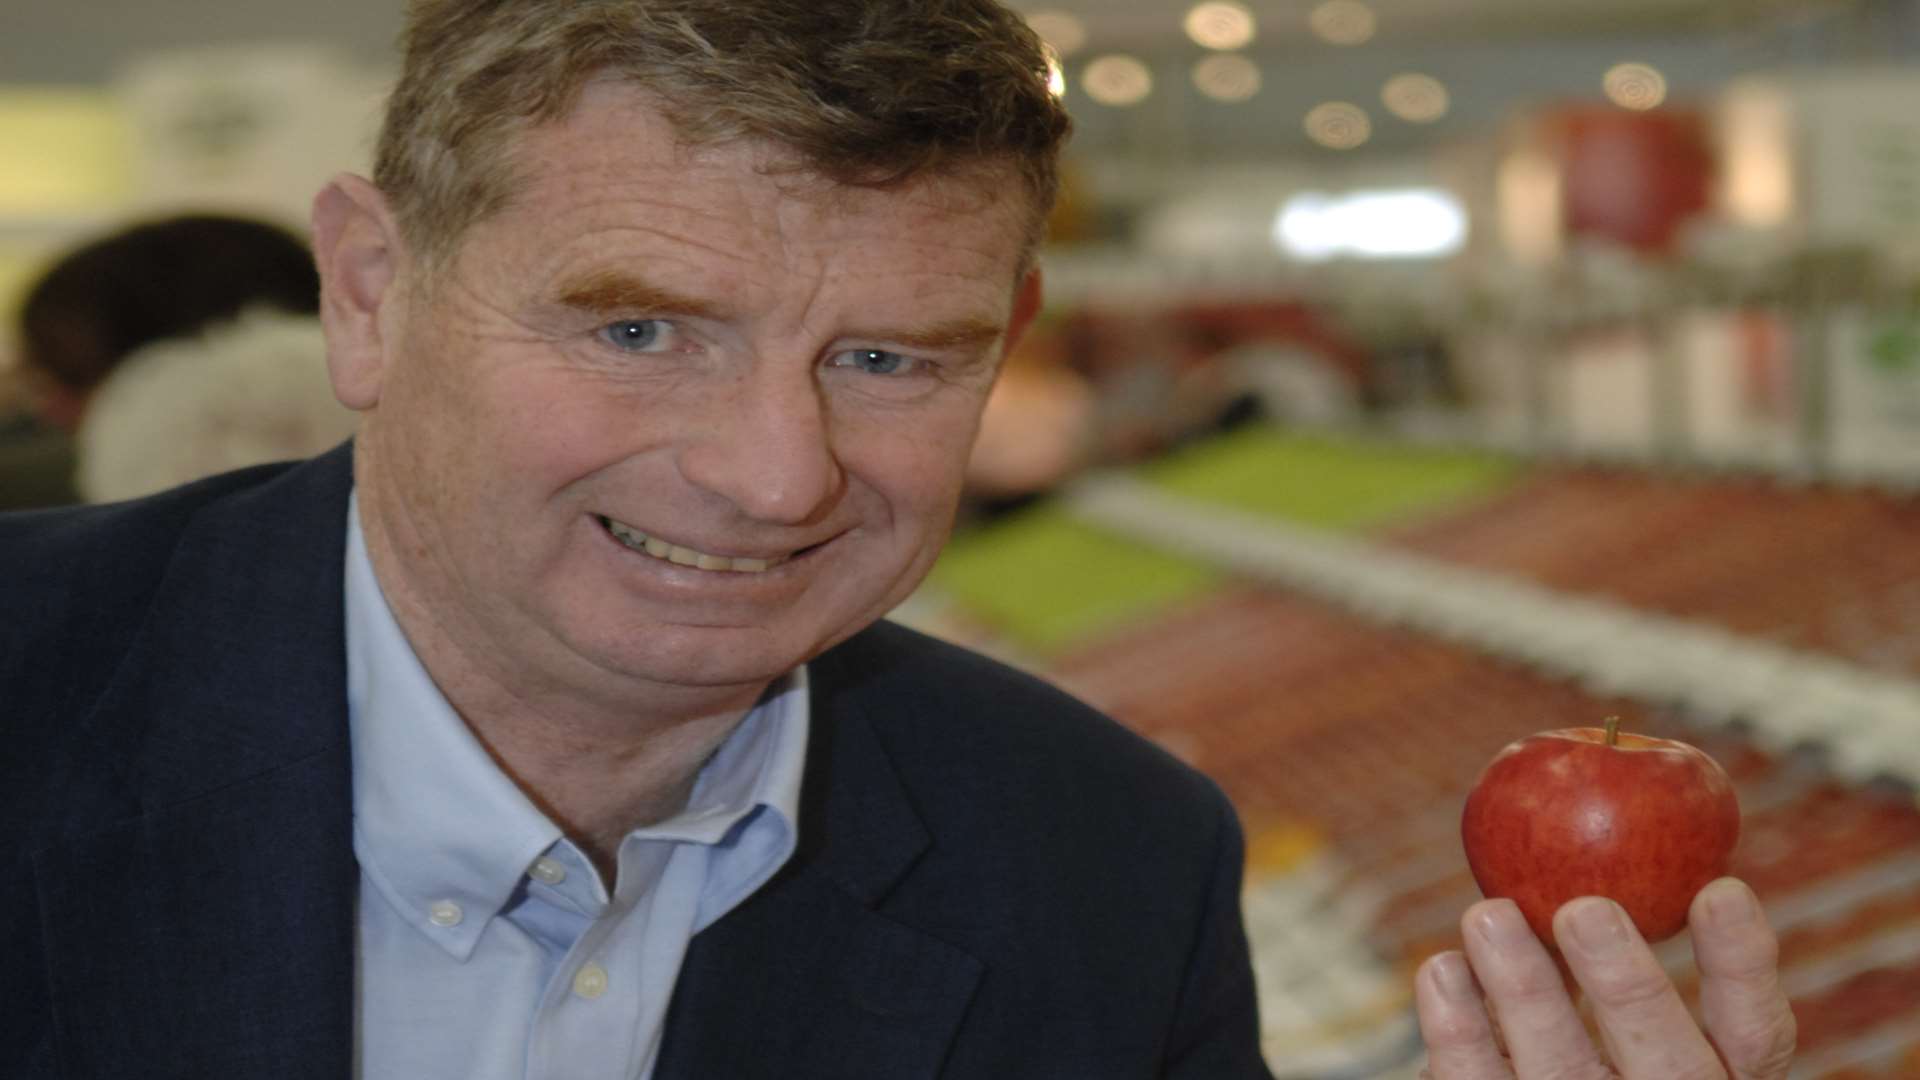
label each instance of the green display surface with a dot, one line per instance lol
(1339, 484)
(1048, 582)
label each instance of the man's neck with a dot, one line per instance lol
(598, 791)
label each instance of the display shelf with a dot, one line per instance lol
(1354, 677)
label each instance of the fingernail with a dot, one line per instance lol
(1730, 903)
(1500, 924)
(1597, 924)
(1450, 975)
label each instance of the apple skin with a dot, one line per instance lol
(1563, 814)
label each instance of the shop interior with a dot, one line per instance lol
(1414, 375)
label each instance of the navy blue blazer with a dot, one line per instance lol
(992, 881)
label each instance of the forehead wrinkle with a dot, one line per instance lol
(676, 224)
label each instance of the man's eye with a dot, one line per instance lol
(637, 335)
(875, 361)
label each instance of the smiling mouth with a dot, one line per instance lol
(683, 556)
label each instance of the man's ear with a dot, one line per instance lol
(356, 245)
(1026, 305)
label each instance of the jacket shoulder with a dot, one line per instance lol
(76, 572)
(76, 583)
(959, 718)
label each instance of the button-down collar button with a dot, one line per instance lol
(547, 870)
(590, 981)
(445, 913)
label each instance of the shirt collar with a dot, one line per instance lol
(437, 822)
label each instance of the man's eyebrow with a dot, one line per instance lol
(613, 292)
(959, 333)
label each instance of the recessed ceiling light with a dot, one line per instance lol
(1227, 78)
(1338, 125)
(1117, 79)
(1635, 86)
(1343, 22)
(1220, 24)
(1066, 33)
(1417, 99)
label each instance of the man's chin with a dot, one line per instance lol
(714, 658)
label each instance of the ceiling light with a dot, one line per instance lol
(1338, 125)
(1220, 24)
(1117, 79)
(1635, 86)
(1056, 75)
(1757, 146)
(1394, 223)
(1343, 22)
(1530, 197)
(1066, 33)
(1417, 99)
(1227, 78)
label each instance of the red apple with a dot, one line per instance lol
(1592, 812)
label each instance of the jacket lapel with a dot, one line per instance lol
(808, 977)
(208, 931)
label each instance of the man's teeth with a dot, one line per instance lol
(674, 553)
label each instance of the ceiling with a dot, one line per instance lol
(1130, 23)
(86, 41)
(1492, 55)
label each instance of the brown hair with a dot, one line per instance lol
(863, 92)
(155, 280)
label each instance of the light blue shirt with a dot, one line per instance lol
(489, 947)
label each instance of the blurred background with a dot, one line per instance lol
(1415, 375)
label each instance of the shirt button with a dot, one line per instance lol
(591, 981)
(548, 870)
(445, 913)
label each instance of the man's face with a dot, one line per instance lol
(673, 418)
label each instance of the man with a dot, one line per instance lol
(554, 733)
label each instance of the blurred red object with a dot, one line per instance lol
(1631, 177)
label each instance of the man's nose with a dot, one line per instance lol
(766, 446)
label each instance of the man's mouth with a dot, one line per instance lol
(684, 556)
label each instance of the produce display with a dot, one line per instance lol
(1829, 569)
(1044, 581)
(1358, 739)
(1329, 482)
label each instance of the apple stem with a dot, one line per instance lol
(1613, 731)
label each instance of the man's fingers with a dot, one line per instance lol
(1523, 987)
(1746, 1013)
(1647, 1029)
(1454, 1023)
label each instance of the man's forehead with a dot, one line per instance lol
(611, 117)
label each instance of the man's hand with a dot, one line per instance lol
(1503, 1010)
